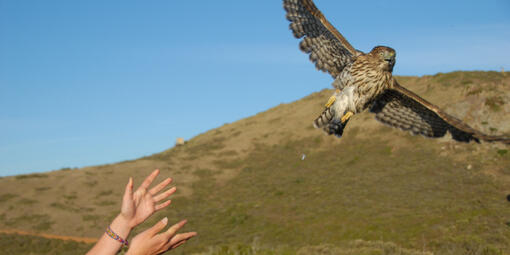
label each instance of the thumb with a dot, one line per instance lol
(158, 227)
(128, 193)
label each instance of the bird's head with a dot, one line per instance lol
(385, 56)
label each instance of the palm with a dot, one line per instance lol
(138, 206)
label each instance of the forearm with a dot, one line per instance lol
(106, 244)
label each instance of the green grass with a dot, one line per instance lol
(21, 244)
(90, 183)
(196, 149)
(6, 197)
(39, 189)
(104, 193)
(203, 173)
(495, 103)
(65, 207)
(71, 196)
(70, 207)
(360, 247)
(244, 249)
(26, 201)
(393, 193)
(228, 153)
(105, 203)
(360, 191)
(30, 176)
(92, 218)
(39, 222)
(475, 91)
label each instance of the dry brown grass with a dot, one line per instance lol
(242, 178)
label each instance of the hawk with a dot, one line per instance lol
(364, 81)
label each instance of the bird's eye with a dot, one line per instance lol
(381, 53)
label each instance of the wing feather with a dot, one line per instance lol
(401, 108)
(328, 49)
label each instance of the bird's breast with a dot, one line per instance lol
(370, 85)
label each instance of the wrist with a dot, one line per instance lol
(127, 221)
(121, 226)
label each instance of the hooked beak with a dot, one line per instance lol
(389, 57)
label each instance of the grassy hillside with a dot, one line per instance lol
(245, 188)
(29, 245)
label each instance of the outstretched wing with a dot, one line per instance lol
(328, 49)
(401, 108)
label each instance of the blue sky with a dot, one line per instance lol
(92, 82)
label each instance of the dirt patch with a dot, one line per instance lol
(50, 236)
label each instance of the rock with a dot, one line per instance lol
(179, 141)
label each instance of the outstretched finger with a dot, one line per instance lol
(147, 182)
(179, 239)
(160, 186)
(177, 244)
(128, 193)
(158, 227)
(162, 205)
(183, 239)
(164, 194)
(173, 229)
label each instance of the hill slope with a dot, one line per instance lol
(246, 182)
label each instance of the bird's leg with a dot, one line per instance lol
(346, 117)
(332, 99)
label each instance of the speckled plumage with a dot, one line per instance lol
(364, 81)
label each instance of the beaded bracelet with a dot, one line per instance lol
(112, 234)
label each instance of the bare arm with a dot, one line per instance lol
(136, 208)
(150, 242)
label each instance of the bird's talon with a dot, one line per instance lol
(346, 117)
(332, 99)
(330, 102)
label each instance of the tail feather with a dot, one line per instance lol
(323, 119)
(330, 126)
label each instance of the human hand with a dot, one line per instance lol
(149, 242)
(138, 206)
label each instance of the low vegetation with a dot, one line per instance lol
(271, 184)
(13, 244)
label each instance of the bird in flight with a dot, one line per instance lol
(364, 81)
